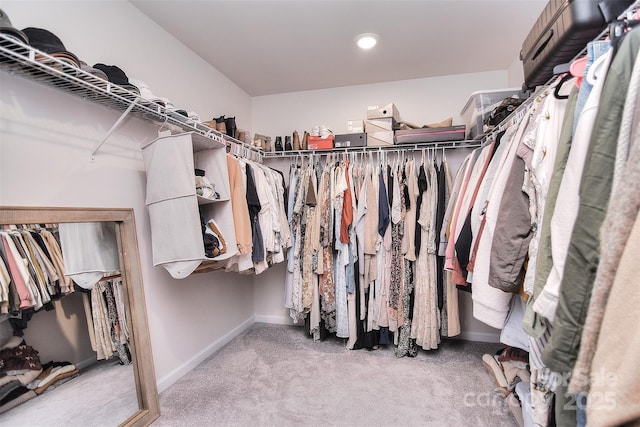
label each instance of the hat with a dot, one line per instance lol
(48, 42)
(69, 59)
(117, 76)
(145, 92)
(94, 71)
(7, 28)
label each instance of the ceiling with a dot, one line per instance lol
(274, 46)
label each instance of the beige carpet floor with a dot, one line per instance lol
(104, 394)
(275, 375)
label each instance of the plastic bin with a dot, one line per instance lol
(480, 105)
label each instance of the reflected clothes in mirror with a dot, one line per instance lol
(32, 271)
(111, 393)
(23, 375)
(90, 251)
(109, 323)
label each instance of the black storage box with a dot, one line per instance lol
(563, 29)
(350, 140)
(415, 136)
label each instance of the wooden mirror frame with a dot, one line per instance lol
(141, 355)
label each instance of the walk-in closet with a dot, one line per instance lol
(308, 213)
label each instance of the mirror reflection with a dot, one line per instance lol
(65, 334)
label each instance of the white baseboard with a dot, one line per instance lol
(176, 374)
(275, 320)
(478, 336)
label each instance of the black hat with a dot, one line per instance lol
(117, 76)
(7, 28)
(48, 42)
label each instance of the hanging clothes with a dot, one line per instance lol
(348, 214)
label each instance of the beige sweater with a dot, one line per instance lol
(615, 377)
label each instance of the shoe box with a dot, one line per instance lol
(380, 139)
(355, 126)
(383, 111)
(379, 125)
(317, 143)
(350, 140)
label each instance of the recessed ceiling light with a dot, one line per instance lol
(367, 40)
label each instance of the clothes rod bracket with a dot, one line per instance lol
(113, 128)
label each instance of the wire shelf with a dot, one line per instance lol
(387, 148)
(23, 60)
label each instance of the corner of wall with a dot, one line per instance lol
(173, 376)
(515, 74)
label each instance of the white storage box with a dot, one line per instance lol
(480, 105)
(383, 111)
(355, 126)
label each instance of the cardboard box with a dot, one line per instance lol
(355, 126)
(350, 140)
(379, 125)
(380, 139)
(381, 111)
(317, 143)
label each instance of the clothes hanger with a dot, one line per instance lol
(166, 132)
(563, 80)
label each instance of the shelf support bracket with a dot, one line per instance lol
(113, 128)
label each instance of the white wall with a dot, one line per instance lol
(420, 101)
(515, 73)
(47, 137)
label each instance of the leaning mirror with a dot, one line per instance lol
(74, 338)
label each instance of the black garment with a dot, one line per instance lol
(389, 185)
(385, 336)
(368, 340)
(383, 207)
(253, 203)
(20, 320)
(407, 202)
(440, 211)
(422, 187)
(463, 246)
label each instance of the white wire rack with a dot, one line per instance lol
(386, 148)
(23, 60)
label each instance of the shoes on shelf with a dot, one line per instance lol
(266, 141)
(305, 141)
(287, 143)
(278, 144)
(220, 125)
(230, 124)
(296, 141)
(204, 187)
(324, 133)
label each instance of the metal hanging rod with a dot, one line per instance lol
(389, 148)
